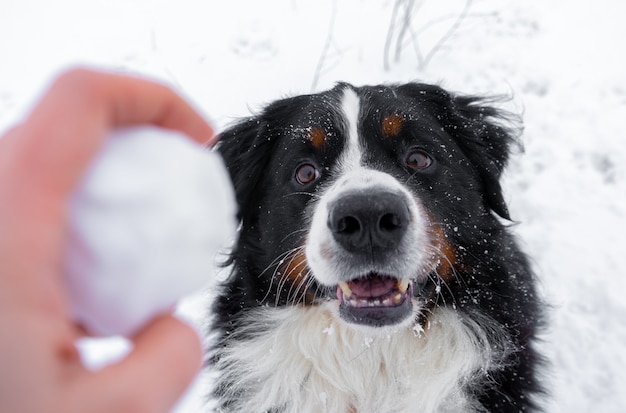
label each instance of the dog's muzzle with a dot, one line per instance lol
(369, 227)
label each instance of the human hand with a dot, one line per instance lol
(41, 162)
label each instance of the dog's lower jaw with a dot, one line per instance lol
(412, 321)
(305, 360)
(379, 301)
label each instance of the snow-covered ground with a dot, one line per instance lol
(561, 61)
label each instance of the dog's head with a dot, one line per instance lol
(365, 197)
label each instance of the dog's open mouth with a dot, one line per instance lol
(375, 300)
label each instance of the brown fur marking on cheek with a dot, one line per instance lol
(295, 267)
(392, 125)
(446, 258)
(443, 256)
(296, 273)
(318, 138)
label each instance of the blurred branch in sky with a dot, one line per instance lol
(402, 22)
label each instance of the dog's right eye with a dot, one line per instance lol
(306, 174)
(417, 159)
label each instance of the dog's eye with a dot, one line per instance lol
(307, 173)
(417, 159)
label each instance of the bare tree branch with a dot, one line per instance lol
(406, 26)
(447, 35)
(409, 9)
(327, 44)
(392, 24)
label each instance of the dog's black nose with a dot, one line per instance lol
(369, 222)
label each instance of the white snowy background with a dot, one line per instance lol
(562, 61)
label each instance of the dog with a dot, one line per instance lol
(375, 270)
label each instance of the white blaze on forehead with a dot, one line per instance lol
(350, 108)
(328, 262)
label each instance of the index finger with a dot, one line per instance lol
(68, 125)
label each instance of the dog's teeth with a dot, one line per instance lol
(403, 285)
(397, 298)
(347, 292)
(387, 302)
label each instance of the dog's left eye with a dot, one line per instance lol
(418, 159)
(306, 174)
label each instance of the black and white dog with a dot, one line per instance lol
(372, 273)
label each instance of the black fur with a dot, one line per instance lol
(470, 144)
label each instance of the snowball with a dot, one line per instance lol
(145, 228)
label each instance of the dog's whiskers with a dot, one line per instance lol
(312, 195)
(438, 255)
(298, 231)
(286, 275)
(277, 263)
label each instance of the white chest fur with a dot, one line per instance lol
(304, 360)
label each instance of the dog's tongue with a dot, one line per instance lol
(373, 286)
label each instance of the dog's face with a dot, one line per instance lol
(364, 197)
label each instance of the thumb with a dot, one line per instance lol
(166, 357)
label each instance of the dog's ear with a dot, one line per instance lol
(484, 133)
(247, 148)
(245, 154)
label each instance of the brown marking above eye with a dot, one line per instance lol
(318, 138)
(392, 125)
